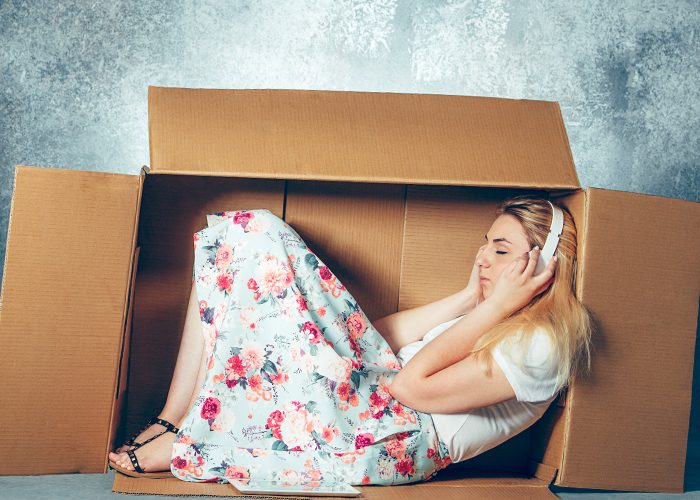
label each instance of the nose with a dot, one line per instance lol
(482, 259)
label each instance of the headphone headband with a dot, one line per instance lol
(555, 229)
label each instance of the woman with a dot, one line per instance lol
(292, 382)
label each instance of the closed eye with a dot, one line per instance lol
(500, 252)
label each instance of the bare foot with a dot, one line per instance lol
(148, 432)
(152, 457)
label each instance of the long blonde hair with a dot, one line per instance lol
(556, 311)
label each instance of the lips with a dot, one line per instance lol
(483, 279)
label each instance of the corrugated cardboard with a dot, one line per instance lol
(98, 266)
(360, 137)
(448, 488)
(65, 286)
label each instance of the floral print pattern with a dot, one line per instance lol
(297, 378)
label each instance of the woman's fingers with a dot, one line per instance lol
(545, 286)
(513, 266)
(525, 264)
(532, 261)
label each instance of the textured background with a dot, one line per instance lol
(74, 75)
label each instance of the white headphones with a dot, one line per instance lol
(555, 229)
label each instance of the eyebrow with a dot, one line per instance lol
(498, 239)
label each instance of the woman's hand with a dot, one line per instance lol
(473, 290)
(516, 286)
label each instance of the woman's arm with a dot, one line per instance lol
(413, 382)
(403, 327)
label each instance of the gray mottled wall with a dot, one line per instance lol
(74, 74)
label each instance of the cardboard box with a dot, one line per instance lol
(98, 267)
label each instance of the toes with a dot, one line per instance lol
(121, 460)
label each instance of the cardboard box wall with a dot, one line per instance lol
(394, 193)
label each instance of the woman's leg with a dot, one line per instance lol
(197, 385)
(188, 367)
(187, 377)
(155, 456)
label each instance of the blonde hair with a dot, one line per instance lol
(556, 311)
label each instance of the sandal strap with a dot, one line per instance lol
(155, 420)
(174, 430)
(170, 427)
(132, 439)
(136, 446)
(134, 461)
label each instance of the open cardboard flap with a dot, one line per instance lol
(360, 136)
(66, 280)
(627, 425)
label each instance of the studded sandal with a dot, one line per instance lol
(138, 470)
(155, 420)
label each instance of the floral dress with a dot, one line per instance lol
(296, 385)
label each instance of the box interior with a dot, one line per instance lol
(393, 246)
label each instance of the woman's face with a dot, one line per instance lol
(504, 242)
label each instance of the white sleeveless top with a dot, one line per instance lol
(476, 431)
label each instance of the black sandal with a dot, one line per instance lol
(155, 420)
(138, 471)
